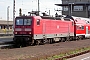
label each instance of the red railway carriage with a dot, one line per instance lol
(82, 29)
(37, 29)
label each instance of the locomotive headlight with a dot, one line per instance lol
(29, 32)
(15, 32)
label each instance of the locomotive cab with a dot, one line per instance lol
(23, 30)
(23, 25)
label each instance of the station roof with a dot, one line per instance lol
(76, 3)
(4, 22)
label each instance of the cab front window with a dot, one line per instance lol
(19, 22)
(27, 21)
(23, 21)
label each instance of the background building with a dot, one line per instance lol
(4, 24)
(79, 8)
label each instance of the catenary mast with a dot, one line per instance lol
(13, 12)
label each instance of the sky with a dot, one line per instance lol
(27, 6)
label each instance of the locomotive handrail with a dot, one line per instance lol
(67, 19)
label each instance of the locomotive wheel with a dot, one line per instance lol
(71, 38)
(77, 38)
(16, 44)
(42, 42)
(82, 37)
(50, 41)
(37, 42)
(63, 40)
(68, 39)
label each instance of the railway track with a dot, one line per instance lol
(5, 42)
(9, 43)
(42, 50)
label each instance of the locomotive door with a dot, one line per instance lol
(86, 29)
(69, 29)
(44, 29)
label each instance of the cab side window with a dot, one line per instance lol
(82, 27)
(38, 21)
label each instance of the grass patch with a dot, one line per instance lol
(67, 53)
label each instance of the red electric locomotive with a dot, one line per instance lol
(41, 29)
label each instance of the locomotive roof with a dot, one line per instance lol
(43, 17)
(48, 17)
(23, 16)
